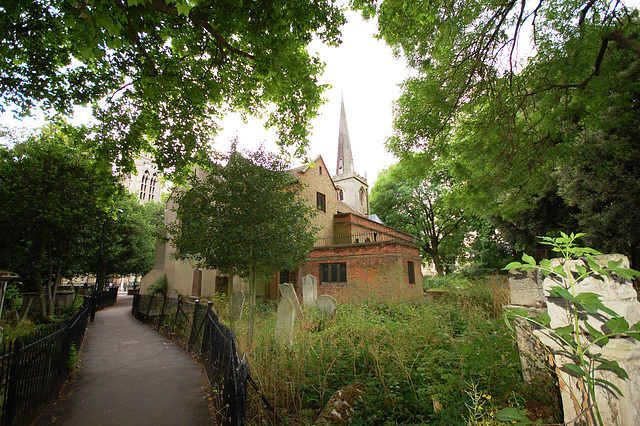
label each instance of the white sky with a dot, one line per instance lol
(365, 72)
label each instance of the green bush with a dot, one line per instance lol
(160, 286)
(417, 361)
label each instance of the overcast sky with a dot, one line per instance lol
(365, 72)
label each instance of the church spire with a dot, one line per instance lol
(345, 158)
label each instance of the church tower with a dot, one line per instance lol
(353, 189)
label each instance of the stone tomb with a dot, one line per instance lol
(237, 305)
(530, 291)
(309, 290)
(287, 290)
(285, 321)
(327, 304)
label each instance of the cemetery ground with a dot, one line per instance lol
(448, 360)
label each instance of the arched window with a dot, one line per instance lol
(144, 185)
(152, 186)
(340, 194)
(362, 196)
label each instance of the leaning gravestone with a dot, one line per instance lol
(309, 290)
(237, 305)
(327, 304)
(287, 290)
(173, 294)
(285, 320)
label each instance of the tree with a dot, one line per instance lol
(128, 241)
(165, 71)
(245, 218)
(417, 198)
(52, 192)
(516, 97)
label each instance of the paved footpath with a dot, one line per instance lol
(131, 375)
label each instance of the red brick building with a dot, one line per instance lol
(355, 256)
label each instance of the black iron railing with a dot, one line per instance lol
(199, 329)
(34, 367)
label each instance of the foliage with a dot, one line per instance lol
(578, 338)
(532, 107)
(165, 71)
(416, 362)
(52, 192)
(415, 196)
(130, 235)
(160, 286)
(245, 218)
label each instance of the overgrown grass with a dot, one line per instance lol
(420, 363)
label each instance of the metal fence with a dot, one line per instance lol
(198, 329)
(34, 367)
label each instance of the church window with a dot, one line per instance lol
(340, 165)
(362, 196)
(152, 186)
(340, 194)
(321, 202)
(320, 168)
(333, 273)
(412, 272)
(144, 185)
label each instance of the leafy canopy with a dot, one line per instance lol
(244, 216)
(164, 72)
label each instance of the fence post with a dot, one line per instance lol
(164, 302)
(93, 306)
(195, 323)
(149, 308)
(11, 397)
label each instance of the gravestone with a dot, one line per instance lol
(287, 290)
(237, 305)
(173, 294)
(285, 320)
(309, 290)
(327, 304)
(616, 294)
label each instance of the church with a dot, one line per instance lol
(355, 256)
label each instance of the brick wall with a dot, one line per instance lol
(375, 270)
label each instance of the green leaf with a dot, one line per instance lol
(562, 292)
(608, 384)
(597, 334)
(528, 259)
(565, 331)
(613, 264)
(512, 265)
(559, 269)
(610, 365)
(510, 414)
(575, 369)
(581, 270)
(542, 319)
(617, 325)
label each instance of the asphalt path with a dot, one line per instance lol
(131, 375)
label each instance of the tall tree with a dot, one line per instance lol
(245, 218)
(516, 95)
(166, 71)
(418, 198)
(52, 193)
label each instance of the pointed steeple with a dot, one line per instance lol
(345, 158)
